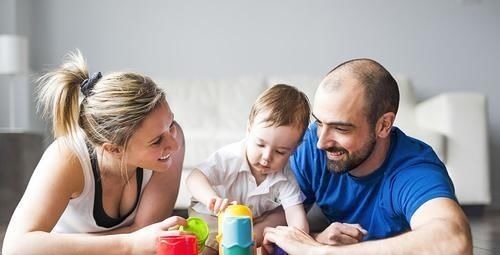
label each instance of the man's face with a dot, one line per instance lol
(343, 129)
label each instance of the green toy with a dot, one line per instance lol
(199, 228)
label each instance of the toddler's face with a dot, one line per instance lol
(268, 148)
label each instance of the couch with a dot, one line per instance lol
(214, 113)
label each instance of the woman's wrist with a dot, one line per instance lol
(127, 244)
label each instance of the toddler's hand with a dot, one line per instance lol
(217, 204)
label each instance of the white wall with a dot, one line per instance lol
(441, 45)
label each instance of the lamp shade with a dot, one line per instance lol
(13, 54)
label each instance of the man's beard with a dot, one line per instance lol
(353, 160)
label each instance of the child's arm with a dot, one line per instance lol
(296, 217)
(273, 218)
(200, 188)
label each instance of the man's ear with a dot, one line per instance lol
(384, 124)
(112, 149)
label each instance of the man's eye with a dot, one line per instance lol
(260, 145)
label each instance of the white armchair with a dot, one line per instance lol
(455, 125)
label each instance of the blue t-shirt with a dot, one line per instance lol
(382, 202)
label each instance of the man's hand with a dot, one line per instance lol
(292, 240)
(341, 234)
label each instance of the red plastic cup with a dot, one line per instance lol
(176, 245)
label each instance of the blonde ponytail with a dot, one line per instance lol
(59, 94)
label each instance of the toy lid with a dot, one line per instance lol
(198, 227)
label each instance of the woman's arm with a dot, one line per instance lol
(54, 183)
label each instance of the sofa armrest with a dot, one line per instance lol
(462, 118)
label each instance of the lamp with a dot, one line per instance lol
(13, 61)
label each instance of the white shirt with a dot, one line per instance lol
(229, 174)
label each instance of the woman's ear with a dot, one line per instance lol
(248, 127)
(112, 149)
(384, 124)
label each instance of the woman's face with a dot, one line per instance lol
(154, 142)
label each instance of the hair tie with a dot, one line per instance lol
(89, 83)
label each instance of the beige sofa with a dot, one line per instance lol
(214, 113)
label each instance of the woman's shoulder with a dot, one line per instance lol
(60, 163)
(62, 151)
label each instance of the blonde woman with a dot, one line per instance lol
(111, 176)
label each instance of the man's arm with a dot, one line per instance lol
(439, 226)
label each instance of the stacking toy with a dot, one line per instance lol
(199, 228)
(177, 244)
(236, 231)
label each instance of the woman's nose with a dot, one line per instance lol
(172, 143)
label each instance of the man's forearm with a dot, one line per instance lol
(440, 237)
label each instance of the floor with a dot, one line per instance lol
(485, 233)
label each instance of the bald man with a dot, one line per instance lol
(383, 191)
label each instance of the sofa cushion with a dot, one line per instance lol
(235, 99)
(212, 113)
(306, 83)
(192, 102)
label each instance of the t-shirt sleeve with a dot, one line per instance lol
(301, 165)
(416, 185)
(213, 168)
(289, 191)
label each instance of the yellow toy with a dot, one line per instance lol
(236, 237)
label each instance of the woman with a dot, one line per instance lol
(111, 176)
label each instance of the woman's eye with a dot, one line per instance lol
(260, 145)
(157, 141)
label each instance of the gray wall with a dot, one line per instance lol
(440, 45)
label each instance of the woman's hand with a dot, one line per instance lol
(144, 241)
